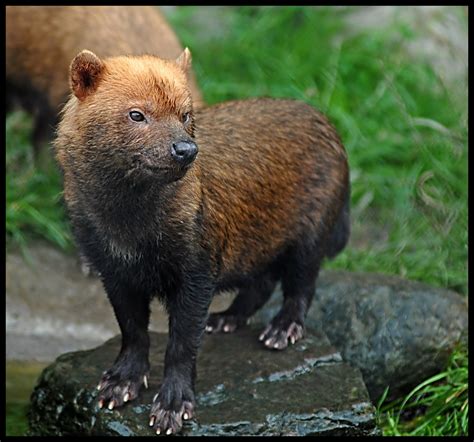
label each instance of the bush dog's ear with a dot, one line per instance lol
(184, 60)
(85, 73)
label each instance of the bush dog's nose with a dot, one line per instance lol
(184, 152)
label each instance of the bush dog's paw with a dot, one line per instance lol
(278, 335)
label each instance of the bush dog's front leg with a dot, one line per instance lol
(174, 402)
(122, 382)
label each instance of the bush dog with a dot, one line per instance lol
(181, 204)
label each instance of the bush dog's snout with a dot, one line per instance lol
(184, 152)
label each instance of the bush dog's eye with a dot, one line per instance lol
(186, 117)
(136, 116)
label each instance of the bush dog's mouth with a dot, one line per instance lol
(158, 169)
(171, 174)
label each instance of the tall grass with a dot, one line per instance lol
(439, 406)
(34, 208)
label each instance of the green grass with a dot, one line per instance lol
(20, 380)
(34, 208)
(437, 407)
(404, 129)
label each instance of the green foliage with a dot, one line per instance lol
(437, 407)
(16, 424)
(34, 207)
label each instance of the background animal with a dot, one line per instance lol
(41, 41)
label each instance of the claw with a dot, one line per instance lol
(101, 403)
(111, 405)
(264, 333)
(126, 397)
(145, 381)
(185, 416)
(168, 431)
(152, 421)
(158, 431)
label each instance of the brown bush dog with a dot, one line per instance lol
(41, 41)
(266, 198)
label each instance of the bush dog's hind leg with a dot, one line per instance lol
(122, 382)
(300, 271)
(251, 297)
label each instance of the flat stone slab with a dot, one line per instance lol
(242, 389)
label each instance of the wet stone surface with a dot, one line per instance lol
(241, 388)
(397, 332)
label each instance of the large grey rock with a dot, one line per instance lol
(242, 389)
(397, 332)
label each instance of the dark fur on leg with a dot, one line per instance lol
(122, 382)
(342, 230)
(187, 319)
(301, 268)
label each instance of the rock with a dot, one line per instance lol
(242, 389)
(397, 332)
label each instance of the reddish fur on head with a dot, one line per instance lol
(104, 94)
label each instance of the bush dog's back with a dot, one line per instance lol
(180, 204)
(273, 173)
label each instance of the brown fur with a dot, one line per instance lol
(42, 40)
(265, 199)
(258, 174)
(247, 219)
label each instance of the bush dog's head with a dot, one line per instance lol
(133, 113)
